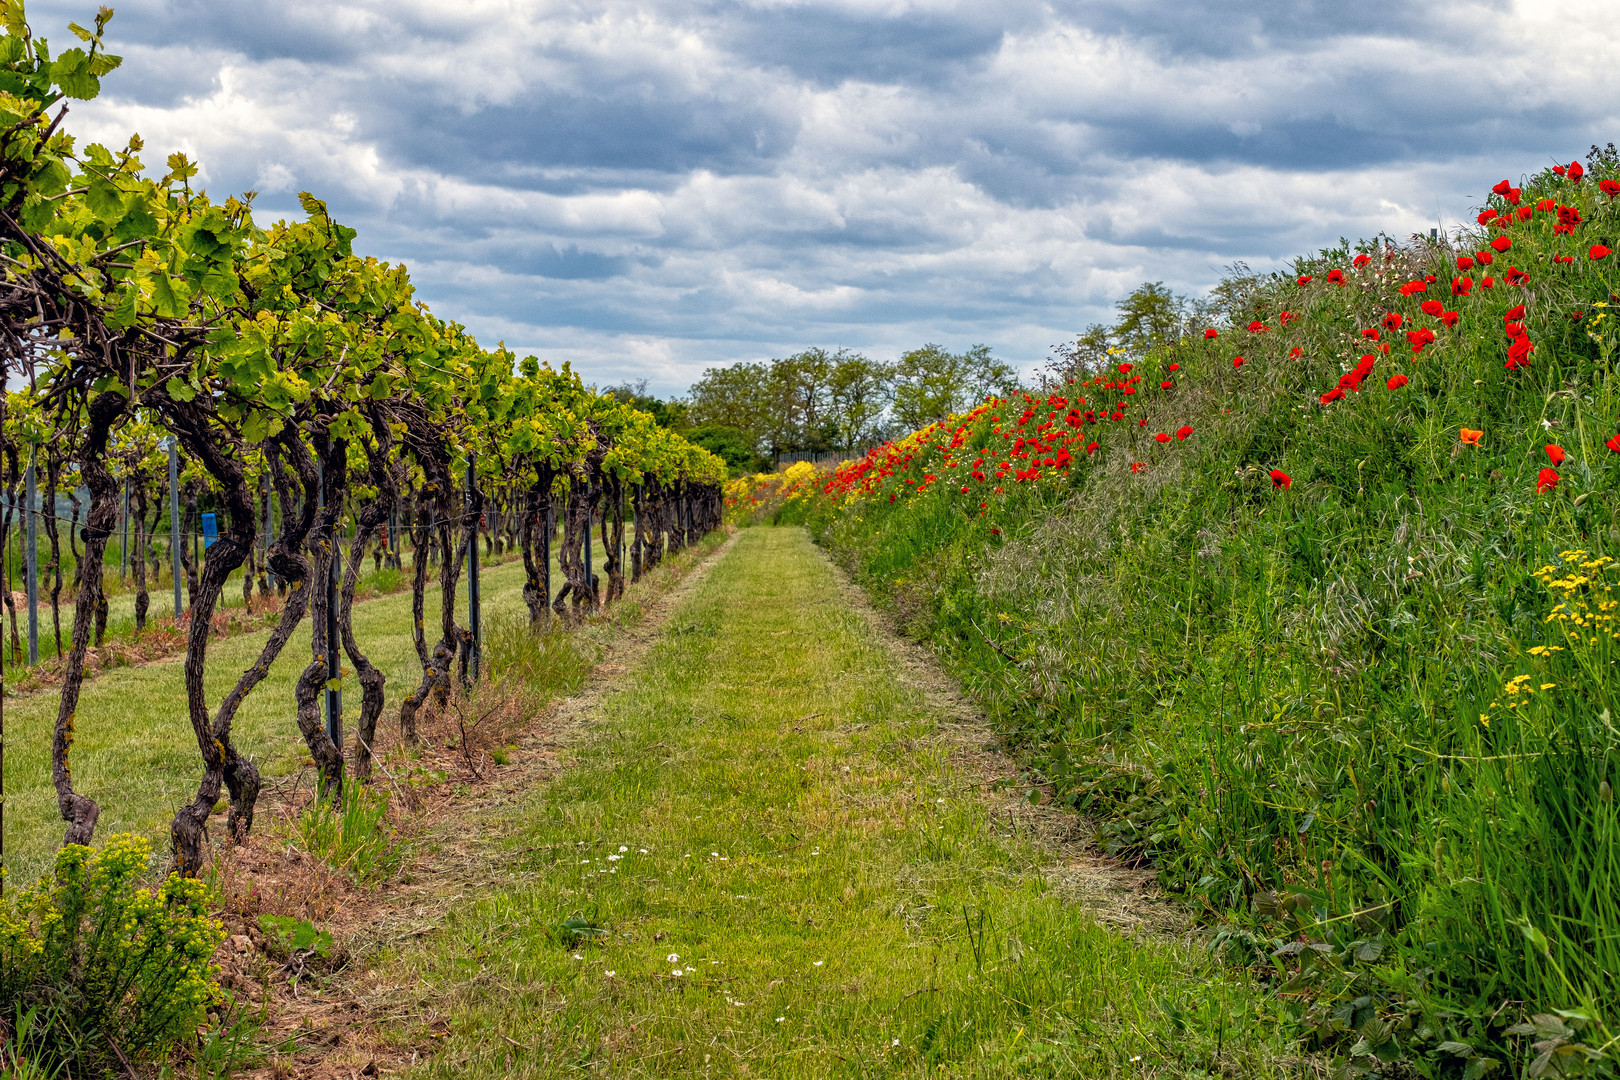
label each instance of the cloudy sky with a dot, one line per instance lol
(650, 188)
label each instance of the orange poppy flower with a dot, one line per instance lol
(1471, 436)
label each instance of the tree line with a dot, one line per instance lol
(822, 401)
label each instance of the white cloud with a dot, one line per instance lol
(648, 188)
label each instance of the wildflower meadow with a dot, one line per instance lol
(1313, 608)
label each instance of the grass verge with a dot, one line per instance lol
(768, 860)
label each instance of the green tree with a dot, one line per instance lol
(860, 391)
(1150, 316)
(931, 383)
(733, 447)
(736, 397)
(670, 414)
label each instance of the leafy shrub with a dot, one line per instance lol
(93, 964)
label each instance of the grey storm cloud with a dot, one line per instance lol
(649, 188)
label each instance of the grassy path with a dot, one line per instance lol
(794, 874)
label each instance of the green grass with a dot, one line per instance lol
(135, 753)
(768, 860)
(1349, 711)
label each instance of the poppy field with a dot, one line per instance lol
(1313, 608)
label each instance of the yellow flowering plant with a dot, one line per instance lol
(105, 961)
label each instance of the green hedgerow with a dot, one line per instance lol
(104, 963)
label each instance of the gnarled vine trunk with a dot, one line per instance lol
(80, 811)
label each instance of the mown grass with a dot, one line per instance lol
(135, 753)
(765, 860)
(1364, 722)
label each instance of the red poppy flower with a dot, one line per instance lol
(1464, 262)
(1237, 361)
(1575, 171)
(1167, 384)
(1486, 215)
(1598, 251)
(964, 489)
(1162, 437)
(1514, 312)
(1502, 244)
(1336, 277)
(1138, 466)
(1333, 395)
(1563, 260)
(1502, 188)
(1450, 318)
(1091, 448)
(1358, 262)
(1558, 169)
(1304, 279)
(1546, 206)
(1484, 258)
(1420, 337)
(1394, 320)
(1513, 195)
(1515, 276)
(1183, 431)
(1568, 215)
(1286, 317)
(1432, 307)
(1524, 213)
(1611, 188)
(1211, 332)
(1371, 333)
(1546, 479)
(1413, 287)
(1280, 479)
(1126, 368)
(1519, 354)
(1513, 329)
(1175, 367)
(1296, 352)
(1614, 444)
(1397, 381)
(1462, 286)
(1555, 453)
(1258, 327)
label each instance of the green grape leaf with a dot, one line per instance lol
(168, 297)
(180, 390)
(180, 167)
(256, 427)
(71, 72)
(220, 285)
(80, 32)
(104, 200)
(137, 224)
(204, 240)
(124, 313)
(51, 176)
(37, 213)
